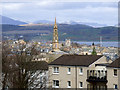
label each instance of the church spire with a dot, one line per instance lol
(55, 44)
(55, 20)
(55, 25)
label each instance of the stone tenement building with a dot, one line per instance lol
(92, 72)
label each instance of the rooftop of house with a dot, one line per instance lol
(76, 60)
(36, 65)
(115, 64)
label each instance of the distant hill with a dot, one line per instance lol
(43, 22)
(6, 20)
(76, 32)
(85, 23)
(70, 22)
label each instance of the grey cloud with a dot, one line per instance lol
(66, 11)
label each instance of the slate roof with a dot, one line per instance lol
(115, 64)
(76, 60)
(36, 65)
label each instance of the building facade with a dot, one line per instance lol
(114, 74)
(81, 71)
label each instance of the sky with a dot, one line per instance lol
(92, 11)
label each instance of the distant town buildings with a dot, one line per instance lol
(68, 42)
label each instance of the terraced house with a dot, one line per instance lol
(83, 71)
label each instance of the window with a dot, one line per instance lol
(69, 70)
(81, 71)
(56, 83)
(115, 86)
(81, 84)
(115, 72)
(56, 70)
(69, 84)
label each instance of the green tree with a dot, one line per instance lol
(94, 51)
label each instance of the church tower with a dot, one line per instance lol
(55, 43)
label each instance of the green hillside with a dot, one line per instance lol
(76, 32)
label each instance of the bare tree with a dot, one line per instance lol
(19, 71)
(5, 63)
